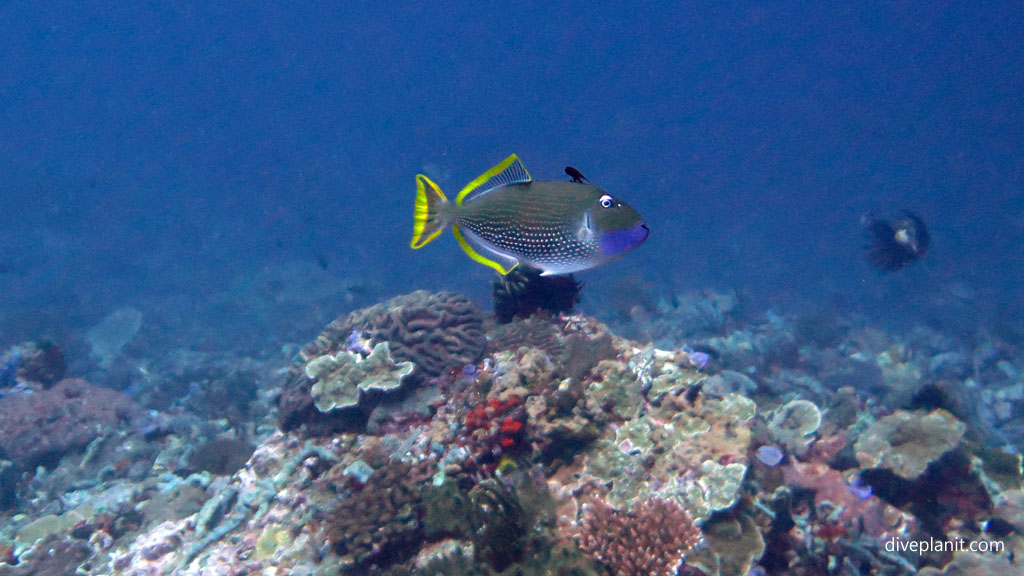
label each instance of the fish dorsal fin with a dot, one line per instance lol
(509, 171)
(576, 175)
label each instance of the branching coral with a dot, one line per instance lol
(651, 539)
(381, 523)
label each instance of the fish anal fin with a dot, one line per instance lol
(477, 250)
(508, 171)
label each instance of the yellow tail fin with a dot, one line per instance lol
(429, 216)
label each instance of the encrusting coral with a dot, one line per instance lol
(907, 442)
(340, 381)
(795, 424)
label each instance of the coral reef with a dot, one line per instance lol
(499, 526)
(438, 333)
(794, 425)
(495, 428)
(692, 455)
(782, 445)
(835, 496)
(530, 332)
(381, 523)
(37, 364)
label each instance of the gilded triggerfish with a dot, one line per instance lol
(505, 218)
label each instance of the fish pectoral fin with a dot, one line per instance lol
(478, 250)
(509, 171)
(585, 232)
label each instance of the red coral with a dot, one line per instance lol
(510, 427)
(493, 428)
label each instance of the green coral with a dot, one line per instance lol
(344, 378)
(795, 424)
(731, 545)
(717, 486)
(618, 387)
(906, 442)
(677, 456)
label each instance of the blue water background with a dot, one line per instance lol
(244, 172)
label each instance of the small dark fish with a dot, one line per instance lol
(896, 241)
(505, 218)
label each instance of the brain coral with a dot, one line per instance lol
(437, 332)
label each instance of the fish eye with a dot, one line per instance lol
(607, 201)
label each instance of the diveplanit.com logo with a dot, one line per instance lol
(935, 545)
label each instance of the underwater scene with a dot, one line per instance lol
(511, 289)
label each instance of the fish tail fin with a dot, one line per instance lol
(431, 213)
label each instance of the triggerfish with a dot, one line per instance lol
(504, 218)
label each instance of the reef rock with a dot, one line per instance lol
(38, 428)
(692, 455)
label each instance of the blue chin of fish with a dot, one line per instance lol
(618, 242)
